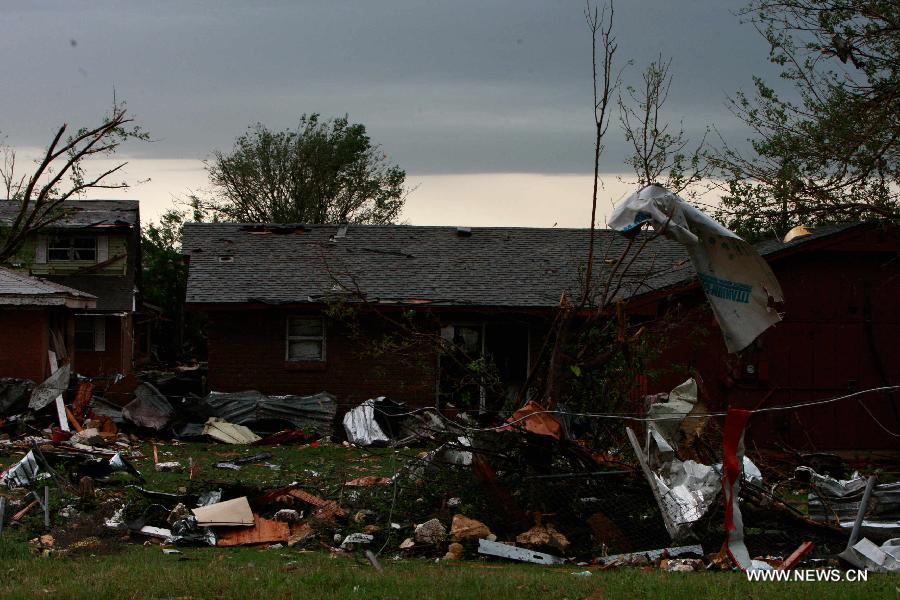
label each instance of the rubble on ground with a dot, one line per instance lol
(523, 488)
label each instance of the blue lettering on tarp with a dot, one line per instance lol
(639, 219)
(727, 290)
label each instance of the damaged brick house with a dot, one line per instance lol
(36, 317)
(838, 335)
(92, 249)
(267, 289)
(489, 290)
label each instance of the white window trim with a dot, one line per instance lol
(98, 327)
(50, 248)
(288, 338)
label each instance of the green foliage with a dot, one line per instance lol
(164, 279)
(660, 153)
(324, 171)
(833, 152)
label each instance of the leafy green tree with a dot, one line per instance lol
(832, 153)
(660, 153)
(164, 279)
(324, 171)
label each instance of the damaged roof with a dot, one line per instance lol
(23, 290)
(84, 213)
(113, 292)
(770, 248)
(232, 263)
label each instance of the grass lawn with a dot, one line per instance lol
(144, 572)
(130, 570)
(327, 465)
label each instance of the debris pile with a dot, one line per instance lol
(523, 489)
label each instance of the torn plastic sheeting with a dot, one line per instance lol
(361, 427)
(149, 408)
(52, 387)
(229, 433)
(667, 417)
(313, 413)
(23, 473)
(738, 282)
(187, 532)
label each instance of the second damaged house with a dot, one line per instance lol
(278, 298)
(94, 248)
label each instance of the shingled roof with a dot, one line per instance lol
(232, 263)
(84, 213)
(23, 290)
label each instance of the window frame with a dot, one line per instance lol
(93, 328)
(299, 338)
(70, 248)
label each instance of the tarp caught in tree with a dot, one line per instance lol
(738, 282)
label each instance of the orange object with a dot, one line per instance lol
(369, 480)
(24, 511)
(533, 418)
(82, 397)
(798, 554)
(263, 531)
(73, 420)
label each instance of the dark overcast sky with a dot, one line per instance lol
(445, 87)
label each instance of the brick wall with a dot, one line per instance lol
(246, 350)
(24, 342)
(116, 358)
(838, 336)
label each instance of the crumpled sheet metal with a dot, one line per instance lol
(668, 416)
(149, 408)
(830, 498)
(23, 473)
(688, 489)
(739, 284)
(303, 412)
(361, 427)
(881, 559)
(52, 387)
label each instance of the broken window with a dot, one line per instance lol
(487, 366)
(305, 338)
(90, 333)
(72, 248)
